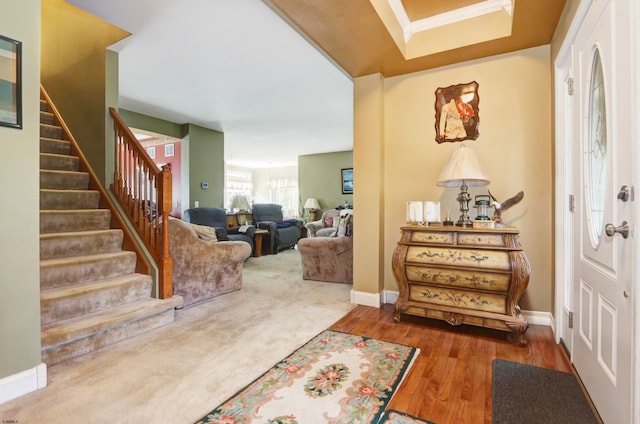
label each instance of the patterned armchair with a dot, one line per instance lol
(329, 258)
(325, 226)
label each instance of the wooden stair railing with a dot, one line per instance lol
(144, 193)
(129, 242)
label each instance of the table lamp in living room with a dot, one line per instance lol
(240, 206)
(312, 205)
(463, 170)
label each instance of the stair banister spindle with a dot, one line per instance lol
(148, 200)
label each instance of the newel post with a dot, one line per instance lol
(165, 286)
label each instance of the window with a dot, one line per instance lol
(284, 191)
(239, 183)
(152, 152)
(168, 150)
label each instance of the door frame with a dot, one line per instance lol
(563, 184)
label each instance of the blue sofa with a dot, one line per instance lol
(217, 218)
(284, 233)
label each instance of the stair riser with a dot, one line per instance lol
(65, 200)
(50, 131)
(58, 147)
(44, 107)
(64, 221)
(64, 180)
(92, 342)
(59, 162)
(70, 305)
(77, 271)
(80, 243)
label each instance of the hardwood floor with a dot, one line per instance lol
(451, 380)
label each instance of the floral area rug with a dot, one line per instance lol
(335, 378)
(392, 416)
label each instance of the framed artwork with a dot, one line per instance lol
(10, 83)
(457, 112)
(347, 180)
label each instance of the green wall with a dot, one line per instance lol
(319, 176)
(73, 72)
(206, 164)
(19, 189)
(156, 125)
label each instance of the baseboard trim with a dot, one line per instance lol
(366, 299)
(24, 382)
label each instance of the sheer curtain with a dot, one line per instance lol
(284, 191)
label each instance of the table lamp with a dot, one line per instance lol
(312, 205)
(240, 206)
(463, 170)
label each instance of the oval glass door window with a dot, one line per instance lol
(596, 152)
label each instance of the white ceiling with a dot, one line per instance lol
(233, 66)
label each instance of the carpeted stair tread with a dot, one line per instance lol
(54, 199)
(55, 161)
(80, 269)
(76, 243)
(47, 118)
(59, 147)
(68, 180)
(50, 131)
(62, 333)
(90, 294)
(58, 221)
(70, 302)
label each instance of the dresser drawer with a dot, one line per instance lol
(481, 239)
(434, 237)
(492, 281)
(459, 257)
(487, 302)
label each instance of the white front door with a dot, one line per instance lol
(602, 244)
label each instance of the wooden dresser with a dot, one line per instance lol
(462, 275)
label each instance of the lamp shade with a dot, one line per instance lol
(240, 202)
(464, 166)
(312, 204)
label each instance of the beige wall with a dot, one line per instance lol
(368, 185)
(19, 190)
(515, 147)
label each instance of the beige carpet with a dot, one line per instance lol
(178, 373)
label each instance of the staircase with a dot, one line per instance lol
(90, 293)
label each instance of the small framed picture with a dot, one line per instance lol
(347, 180)
(10, 83)
(457, 112)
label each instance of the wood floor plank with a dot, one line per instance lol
(451, 379)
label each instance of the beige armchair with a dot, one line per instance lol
(203, 267)
(325, 226)
(329, 258)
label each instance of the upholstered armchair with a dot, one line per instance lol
(329, 258)
(217, 218)
(325, 226)
(284, 234)
(203, 267)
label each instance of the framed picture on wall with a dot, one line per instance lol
(347, 180)
(10, 83)
(457, 112)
